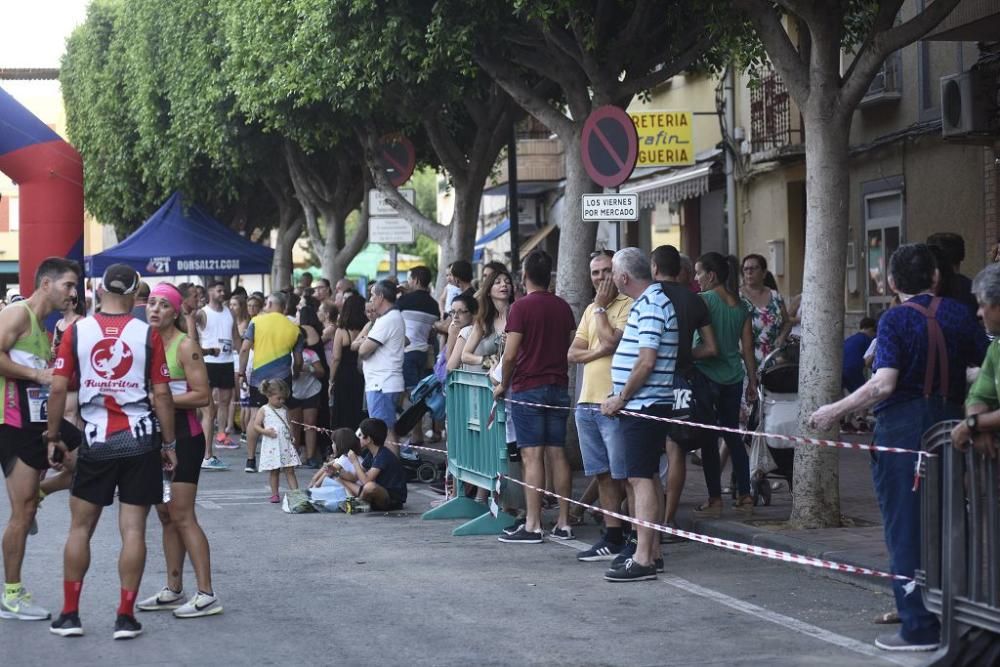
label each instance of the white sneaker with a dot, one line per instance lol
(214, 463)
(20, 608)
(202, 604)
(165, 600)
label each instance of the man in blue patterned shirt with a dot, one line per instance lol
(642, 372)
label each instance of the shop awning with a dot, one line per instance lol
(675, 185)
(535, 239)
(493, 234)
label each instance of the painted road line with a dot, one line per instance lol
(209, 505)
(790, 623)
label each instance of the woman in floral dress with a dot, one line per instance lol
(770, 321)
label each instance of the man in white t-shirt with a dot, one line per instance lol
(381, 346)
(216, 331)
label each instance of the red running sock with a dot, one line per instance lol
(71, 596)
(127, 605)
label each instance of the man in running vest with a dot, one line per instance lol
(119, 361)
(217, 330)
(25, 377)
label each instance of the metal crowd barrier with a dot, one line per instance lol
(477, 452)
(960, 579)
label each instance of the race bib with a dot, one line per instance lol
(226, 345)
(38, 404)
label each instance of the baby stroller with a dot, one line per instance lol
(776, 411)
(427, 396)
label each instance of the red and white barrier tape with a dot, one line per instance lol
(390, 442)
(740, 431)
(821, 442)
(772, 554)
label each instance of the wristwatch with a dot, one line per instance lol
(972, 422)
(600, 309)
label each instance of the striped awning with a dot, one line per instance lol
(675, 185)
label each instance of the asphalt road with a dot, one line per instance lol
(395, 590)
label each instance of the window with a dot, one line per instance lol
(883, 234)
(887, 84)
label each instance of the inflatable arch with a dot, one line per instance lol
(49, 175)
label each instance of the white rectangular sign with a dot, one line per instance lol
(378, 204)
(610, 207)
(389, 230)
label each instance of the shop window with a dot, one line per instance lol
(883, 235)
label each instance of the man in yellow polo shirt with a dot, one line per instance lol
(277, 355)
(596, 340)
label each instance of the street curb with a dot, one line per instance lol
(769, 539)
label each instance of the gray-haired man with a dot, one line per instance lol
(642, 371)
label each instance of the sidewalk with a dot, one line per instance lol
(859, 542)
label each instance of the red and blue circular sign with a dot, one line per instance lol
(398, 156)
(609, 145)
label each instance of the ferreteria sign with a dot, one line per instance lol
(664, 138)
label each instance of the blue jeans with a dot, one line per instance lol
(902, 425)
(601, 446)
(382, 405)
(720, 405)
(538, 427)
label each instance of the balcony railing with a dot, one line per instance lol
(772, 125)
(887, 84)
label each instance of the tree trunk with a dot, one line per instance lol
(816, 497)
(461, 238)
(281, 270)
(576, 238)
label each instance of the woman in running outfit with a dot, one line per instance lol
(181, 532)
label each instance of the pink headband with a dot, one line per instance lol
(168, 292)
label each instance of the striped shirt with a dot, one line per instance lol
(652, 324)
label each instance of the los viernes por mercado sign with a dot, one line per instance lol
(664, 138)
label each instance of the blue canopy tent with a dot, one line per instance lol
(183, 240)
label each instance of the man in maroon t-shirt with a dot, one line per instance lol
(540, 329)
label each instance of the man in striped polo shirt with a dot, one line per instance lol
(642, 372)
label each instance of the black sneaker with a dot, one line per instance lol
(626, 553)
(563, 534)
(658, 564)
(603, 550)
(893, 641)
(522, 536)
(67, 625)
(251, 466)
(632, 571)
(510, 530)
(126, 627)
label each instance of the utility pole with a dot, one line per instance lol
(512, 201)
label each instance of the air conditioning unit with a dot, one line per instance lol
(966, 104)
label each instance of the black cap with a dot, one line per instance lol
(121, 279)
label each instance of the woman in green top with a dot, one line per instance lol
(720, 381)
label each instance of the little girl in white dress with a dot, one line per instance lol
(277, 449)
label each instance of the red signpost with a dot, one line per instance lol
(397, 155)
(610, 146)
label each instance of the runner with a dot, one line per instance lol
(181, 532)
(24, 381)
(118, 360)
(217, 331)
